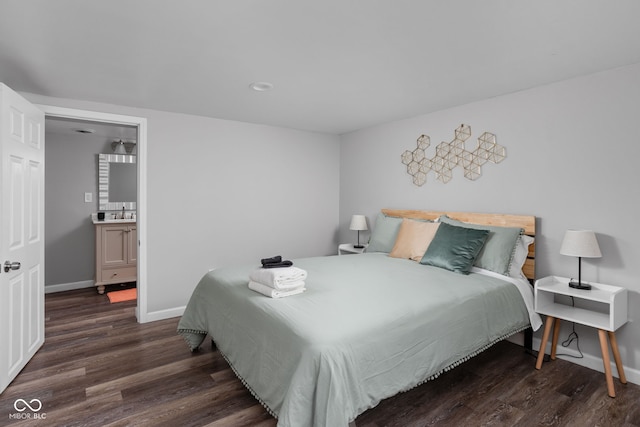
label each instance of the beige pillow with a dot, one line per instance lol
(413, 239)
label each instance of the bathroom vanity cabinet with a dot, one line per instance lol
(116, 253)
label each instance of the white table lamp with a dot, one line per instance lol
(359, 223)
(583, 244)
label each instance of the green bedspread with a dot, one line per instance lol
(367, 327)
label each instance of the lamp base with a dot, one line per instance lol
(358, 246)
(578, 285)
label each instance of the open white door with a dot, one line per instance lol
(21, 233)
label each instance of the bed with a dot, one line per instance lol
(368, 326)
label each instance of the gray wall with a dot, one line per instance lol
(573, 150)
(71, 171)
(222, 192)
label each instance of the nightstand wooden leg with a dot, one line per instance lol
(554, 340)
(604, 347)
(616, 356)
(545, 337)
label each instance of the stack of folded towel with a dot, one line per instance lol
(277, 278)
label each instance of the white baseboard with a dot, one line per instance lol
(165, 314)
(590, 361)
(150, 317)
(61, 287)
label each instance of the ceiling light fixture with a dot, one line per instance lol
(261, 86)
(86, 130)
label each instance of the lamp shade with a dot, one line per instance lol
(358, 222)
(580, 243)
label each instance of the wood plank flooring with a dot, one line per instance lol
(98, 367)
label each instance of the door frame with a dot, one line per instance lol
(141, 204)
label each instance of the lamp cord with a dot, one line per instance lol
(573, 336)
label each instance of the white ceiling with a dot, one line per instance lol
(108, 132)
(337, 65)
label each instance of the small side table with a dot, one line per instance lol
(348, 248)
(613, 300)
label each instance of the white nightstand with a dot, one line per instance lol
(607, 312)
(348, 248)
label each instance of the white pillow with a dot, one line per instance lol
(520, 256)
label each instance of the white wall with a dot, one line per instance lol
(222, 192)
(573, 155)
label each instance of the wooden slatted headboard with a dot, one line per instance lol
(526, 222)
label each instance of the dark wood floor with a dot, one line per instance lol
(98, 367)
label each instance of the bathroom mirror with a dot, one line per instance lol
(117, 182)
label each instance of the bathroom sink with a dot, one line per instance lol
(119, 220)
(108, 220)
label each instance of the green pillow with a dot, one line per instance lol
(454, 248)
(497, 253)
(384, 233)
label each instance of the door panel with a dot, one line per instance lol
(16, 202)
(133, 245)
(35, 208)
(35, 311)
(114, 246)
(21, 228)
(16, 347)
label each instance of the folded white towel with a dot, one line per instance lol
(279, 278)
(275, 293)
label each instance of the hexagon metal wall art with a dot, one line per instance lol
(451, 154)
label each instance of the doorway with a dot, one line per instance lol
(139, 125)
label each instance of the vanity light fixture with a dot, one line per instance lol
(118, 147)
(261, 86)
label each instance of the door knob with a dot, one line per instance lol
(8, 265)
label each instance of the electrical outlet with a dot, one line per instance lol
(88, 197)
